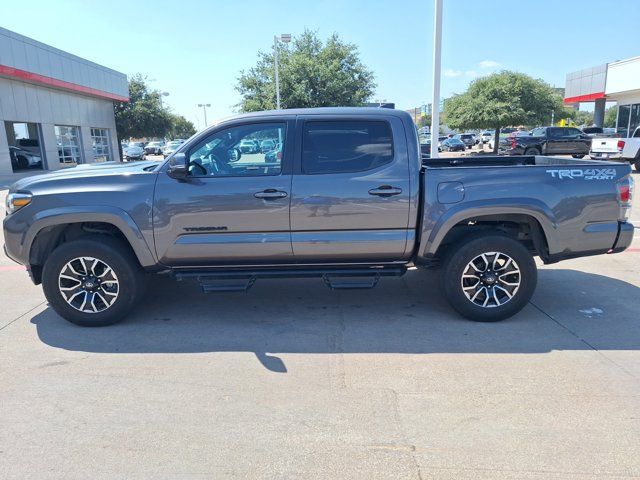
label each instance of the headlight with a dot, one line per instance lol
(16, 201)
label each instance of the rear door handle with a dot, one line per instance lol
(270, 194)
(385, 191)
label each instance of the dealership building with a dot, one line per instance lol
(56, 109)
(618, 82)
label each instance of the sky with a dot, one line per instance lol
(195, 50)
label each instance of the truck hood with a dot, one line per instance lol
(91, 172)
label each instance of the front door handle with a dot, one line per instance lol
(270, 194)
(385, 191)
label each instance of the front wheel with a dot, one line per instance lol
(93, 281)
(489, 278)
(577, 156)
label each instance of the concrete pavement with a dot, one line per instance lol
(293, 380)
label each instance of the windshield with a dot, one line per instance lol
(135, 144)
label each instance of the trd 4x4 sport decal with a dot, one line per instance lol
(586, 174)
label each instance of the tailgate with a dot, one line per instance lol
(604, 145)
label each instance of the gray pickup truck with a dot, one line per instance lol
(340, 193)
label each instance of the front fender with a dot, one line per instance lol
(89, 213)
(435, 232)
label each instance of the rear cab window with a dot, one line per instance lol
(345, 146)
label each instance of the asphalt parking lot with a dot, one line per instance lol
(293, 380)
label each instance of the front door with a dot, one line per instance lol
(351, 191)
(233, 209)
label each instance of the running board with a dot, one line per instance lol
(243, 280)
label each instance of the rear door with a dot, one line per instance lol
(557, 141)
(351, 190)
(229, 210)
(578, 142)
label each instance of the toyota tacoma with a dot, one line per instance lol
(349, 199)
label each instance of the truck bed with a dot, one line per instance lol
(573, 201)
(504, 161)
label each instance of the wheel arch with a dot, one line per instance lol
(52, 229)
(532, 226)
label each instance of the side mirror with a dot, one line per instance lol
(178, 167)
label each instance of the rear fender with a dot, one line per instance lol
(466, 211)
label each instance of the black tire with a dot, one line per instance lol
(532, 151)
(577, 156)
(457, 264)
(116, 255)
(637, 165)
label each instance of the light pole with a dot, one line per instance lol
(437, 54)
(163, 94)
(284, 38)
(204, 107)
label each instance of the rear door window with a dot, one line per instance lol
(345, 146)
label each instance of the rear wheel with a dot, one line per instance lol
(637, 165)
(93, 281)
(532, 151)
(489, 278)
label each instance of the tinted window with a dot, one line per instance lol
(345, 146)
(220, 155)
(555, 133)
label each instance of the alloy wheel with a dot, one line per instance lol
(491, 279)
(88, 284)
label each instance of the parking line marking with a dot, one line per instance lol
(10, 268)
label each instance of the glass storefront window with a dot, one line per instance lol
(622, 126)
(68, 139)
(100, 144)
(635, 119)
(24, 146)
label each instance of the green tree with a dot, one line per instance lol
(503, 99)
(180, 127)
(424, 121)
(583, 118)
(313, 73)
(611, 116)
(143, 115)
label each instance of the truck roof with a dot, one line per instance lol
(387, 112)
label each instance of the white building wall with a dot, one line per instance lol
(23, 102)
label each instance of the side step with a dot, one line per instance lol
(242, 280)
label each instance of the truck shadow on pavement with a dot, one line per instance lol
(571, 310)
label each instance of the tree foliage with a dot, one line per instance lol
(143, 115)
(611, 116)
(312, 73)
(503, 99)
(582, 117)
(180, 127)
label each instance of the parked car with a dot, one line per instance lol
(267, 145)
(487, 135)
(171, 147)
(618, 149)
(351, 203)
(154, 148)
(274, 155)
(548, 141)
(469, 139)
(249, 146)
(22, 159)
(425, 148)
(134, 151)
(453, 145)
